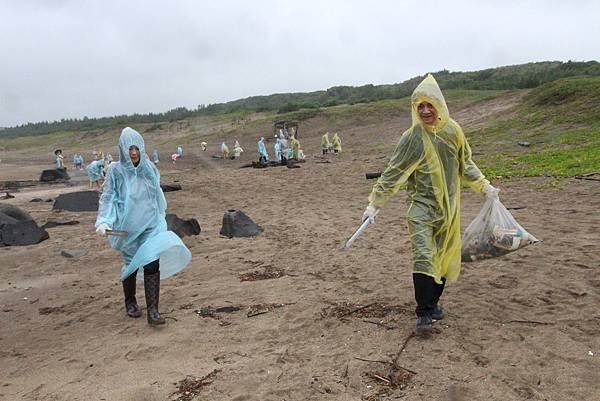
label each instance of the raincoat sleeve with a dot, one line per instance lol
(107, 211)
(404, 161)
(469, 172)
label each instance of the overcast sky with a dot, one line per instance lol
(65, 59)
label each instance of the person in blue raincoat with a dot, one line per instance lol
(263, 156)
(132, 201)
(95, 170)
(277, 150)
(154, 157)
(180, 151)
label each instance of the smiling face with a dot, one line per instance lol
(134, 153)
(427, 113)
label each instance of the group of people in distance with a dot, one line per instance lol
(335, 145)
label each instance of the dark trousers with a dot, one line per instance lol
(283, 160)
(427, 293)
(150, 268)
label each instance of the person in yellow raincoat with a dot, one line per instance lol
(430, 161)
(295, 144)
(336, 143)
(325, 144)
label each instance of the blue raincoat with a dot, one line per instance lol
(262, 149)
(155, 156)
(277, 149)
(133, 201)
(180, 151)
(95, 170)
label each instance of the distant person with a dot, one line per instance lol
(283, 143)
(154, 158)
(263, 156)
(203, 146)
(80, 162)
(180, 151)
(95, 154)
(132, 201)
(96, 173)
(325, 144)
(336, 143)
(277, 151)
(295, 148)
(432, 160)
(109, 158)
(59, 161)
(75, 159)
(224, 151)
(237, 150)
(174, 157)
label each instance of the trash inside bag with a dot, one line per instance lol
(493, 233)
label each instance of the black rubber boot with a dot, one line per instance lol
(152, 289)
(424, 326)
(131, 306)
(424, 295)
(438, 312)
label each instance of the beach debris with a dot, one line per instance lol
(188, 388)
(82, 201)
(261, 309)
(170, 187)
(8, 195)
(182, 227)
(73, 253)
(344, 310)
(525, 144)
(55, 223)
(268, 272)
(237, 224)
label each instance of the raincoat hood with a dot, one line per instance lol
(130, 137)
(429, 91)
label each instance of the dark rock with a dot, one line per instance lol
(55, 175)
(22, 233)
(73, 253)
(15, 212)
(36, 200)
(237, 224)
(49, 200)
(54, 223)
(182, 227)
(170, 187)
(83, 201)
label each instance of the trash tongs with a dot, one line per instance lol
(356, 234)
(117, 233)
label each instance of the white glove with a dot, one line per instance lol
(490, 191)
(370, 213)
(101, 230)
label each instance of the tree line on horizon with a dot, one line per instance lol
(521, 76)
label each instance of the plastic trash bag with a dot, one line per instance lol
(494, 232)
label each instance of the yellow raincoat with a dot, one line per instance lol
(430, 161)
(337, 143)
(295, 148)
(325, 144)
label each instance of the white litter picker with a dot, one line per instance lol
(357, 233)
